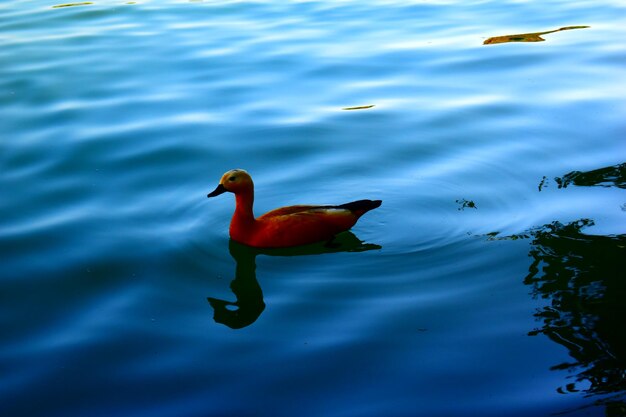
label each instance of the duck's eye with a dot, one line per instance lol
(233, 178)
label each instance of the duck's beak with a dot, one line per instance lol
(219, 190)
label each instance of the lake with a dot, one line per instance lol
(491, 281)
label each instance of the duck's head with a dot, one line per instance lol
(234, 181)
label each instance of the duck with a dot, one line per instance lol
(285, 226)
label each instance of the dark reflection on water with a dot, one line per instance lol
(249, 305)
(463, 204)
(249, 302)
(583, 278)
(610, 176)
(527, 37)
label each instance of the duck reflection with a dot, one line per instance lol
(584, 278)
(527, 37)
(249, 302)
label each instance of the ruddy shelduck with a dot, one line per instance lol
(285, 226)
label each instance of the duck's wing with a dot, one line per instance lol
(356, 207)
(300, 225)
(285, 211)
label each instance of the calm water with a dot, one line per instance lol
(490, 282)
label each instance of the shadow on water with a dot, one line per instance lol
(583, 277)
(249, 302)
(527, 37)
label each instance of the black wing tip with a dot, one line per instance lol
(361, 205)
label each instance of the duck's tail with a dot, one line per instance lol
(361, 207)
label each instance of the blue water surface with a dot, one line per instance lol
(489, 283)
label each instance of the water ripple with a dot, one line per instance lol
(119, 118)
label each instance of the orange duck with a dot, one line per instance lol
(285, 226)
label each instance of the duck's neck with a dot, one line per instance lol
(243, 208)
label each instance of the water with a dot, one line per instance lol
(490, 282)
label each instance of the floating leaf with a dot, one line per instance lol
(87, 3)
(359, 107)
(527, 37)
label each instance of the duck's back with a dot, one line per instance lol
(304, 224)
